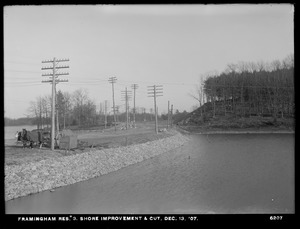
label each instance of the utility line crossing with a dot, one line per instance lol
(155, 91)
(53, 79)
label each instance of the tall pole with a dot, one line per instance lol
(54, 81)
(117, 114)
(127, 96)
(100, 112)
(56, 110)
(154, 91)
(112, 80)
(171, 115)
(168, 114)
(144, 111)
(126, 104)
(134, 87)
(64, 115)
(155, 108)
(53, 106)
(113, 90)
(105, 114)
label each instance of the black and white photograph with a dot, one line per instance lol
(148, 110)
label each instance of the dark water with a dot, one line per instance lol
(243, 173)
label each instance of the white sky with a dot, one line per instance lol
(169, 45)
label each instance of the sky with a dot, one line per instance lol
(169, 45)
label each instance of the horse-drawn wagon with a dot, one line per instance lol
(34, 137)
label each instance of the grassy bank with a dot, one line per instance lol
(240, 124)
(88, 139)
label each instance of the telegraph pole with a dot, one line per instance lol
(57, 122)
(117, 113)
(168, 114)
(127, 96)
(134, 87)
(112, 80)
(171, 115)
(144, 112)
(155, 91)
(53, 79)
(105, 114)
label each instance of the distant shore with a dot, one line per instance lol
(263, 130)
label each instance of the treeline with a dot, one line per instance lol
(18, 121)
(77, 109)
(71, 109)
(244, 89)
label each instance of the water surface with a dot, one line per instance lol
(246, 173)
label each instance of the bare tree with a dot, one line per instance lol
(79, 98)
(198, 94)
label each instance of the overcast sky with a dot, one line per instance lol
(169, 45)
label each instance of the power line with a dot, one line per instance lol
(166, 83)
(26, 85)
(23, 71)
(20, 62)
(21, 82)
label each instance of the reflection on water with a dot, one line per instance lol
(251, 173)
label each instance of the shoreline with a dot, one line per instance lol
(33, 177)
(235, 131)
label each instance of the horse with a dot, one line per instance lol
(29, 137)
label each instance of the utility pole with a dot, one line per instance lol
(168, 114)
(144, 112)
(155, 91)
(57, 121)
(127, 96)
(117, 113)
(112, 80)
(105, 114)
(100, 113)
(134, 87)
(171, 115)
(53, 79)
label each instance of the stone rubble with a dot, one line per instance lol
(33, 177)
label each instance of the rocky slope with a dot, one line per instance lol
(33, 177)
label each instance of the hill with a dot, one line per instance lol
(203, 119)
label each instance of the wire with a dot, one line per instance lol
(168, 83)
(17, 81)
(28, 85)
(9, 70)
(19, 62)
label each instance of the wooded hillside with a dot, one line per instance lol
(248, 89)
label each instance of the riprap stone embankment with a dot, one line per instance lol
(33, 177)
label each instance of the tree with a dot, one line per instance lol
(79, 98)
(261, 88)
(35, 110)
(46, 109)
(198, 95)
(64, 107)
(67, 107)
(84, 109)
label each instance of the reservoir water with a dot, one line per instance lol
(10, 131)
(222, 173)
